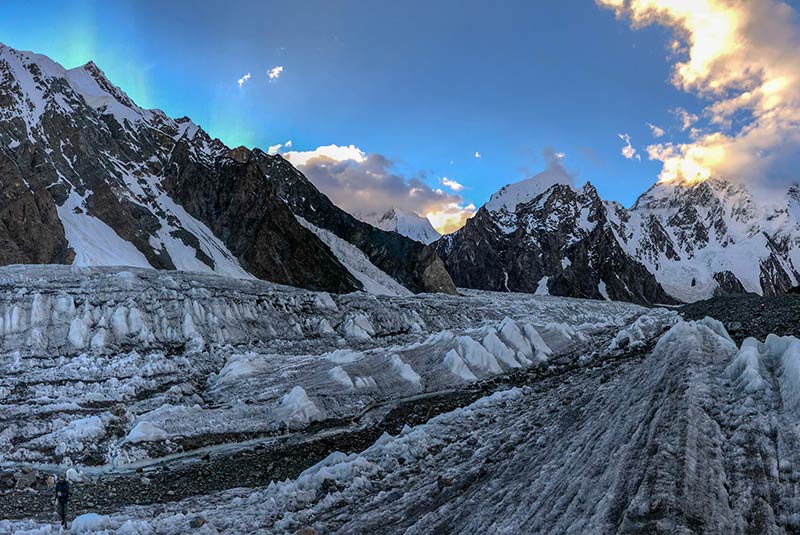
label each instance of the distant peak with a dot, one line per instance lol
(510, 196)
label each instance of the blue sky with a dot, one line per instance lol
(422, 83)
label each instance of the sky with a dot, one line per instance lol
(435, 105)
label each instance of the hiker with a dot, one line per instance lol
(62, 496)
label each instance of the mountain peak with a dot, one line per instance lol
(511, 195)
(404, 222)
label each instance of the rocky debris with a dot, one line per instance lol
(25, 479)
(750, 315)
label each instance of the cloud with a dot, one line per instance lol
(243, 79)
(361, 182)
(273, 149)
(452, 184)
(656, 131)
(275, 72)
(739, 57)
(335, 153)
(686, 119)
(628, 151)
(477, 154)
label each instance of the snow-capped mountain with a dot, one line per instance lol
(680, 242)
(714, 237)
(403, 222)
(90, 178)
(546, 236)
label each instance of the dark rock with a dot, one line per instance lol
(728, 284)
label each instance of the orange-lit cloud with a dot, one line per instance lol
(362, 183)
(741, 57)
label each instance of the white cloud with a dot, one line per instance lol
(359, 182)
(628, 151)
(274, 149)
(243, 79)
(275, 72)
(686, 119)
(741, 58)
(656, 131)
(335, 153)
(477, 154)
(452, 184)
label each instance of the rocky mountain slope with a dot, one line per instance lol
(545, 236)
(681, 242)
(403, 222)
(90, 178)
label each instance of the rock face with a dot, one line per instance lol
(91, 178)
(679, 242)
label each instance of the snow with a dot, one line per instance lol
(476, 356)
(148, 391)
(601, 287)
(374, 280)
(756, 361)
(359, 327)
(85, 83)
(496, 347)
(541, 288)
(263, 371)
(525, 191)
(404, 222)
(94, 242)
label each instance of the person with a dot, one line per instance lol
(62, 497)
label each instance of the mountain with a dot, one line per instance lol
(545, 236)
(403, 222)
(90, 178)
(679, 242)
(714, 237)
